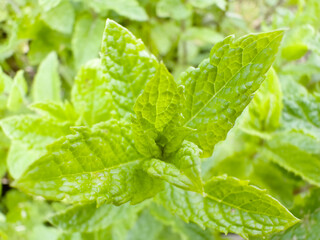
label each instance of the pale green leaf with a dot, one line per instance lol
(5, 81)
(18, 92)
(241, 155)
(175, 9)
(147, 227)
(32, 129)
(308, 229)
(62, 112)
(90, 218)
(309, 226)
(92, 165)
(86, 39)
(91, 96)
(164, 42)
(296, 152)
(60, 18)
(202, 35)
(294, 51)
(207, 3)
(48, 4)
(296, 42)
(97, 235)
(5, 88)
(221, 87)
(302, 113)
(229, 205)
(264, 112)
(29, 135)
(187, 231)
(127, 64)
(128, 8)
(25, 218)
(46, 85)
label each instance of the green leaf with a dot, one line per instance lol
(207, 3)
(46, 85)
(296, 152)
(294, 51)
(97, 235)
(45, 41)
(182, 169)
(308, 228)
(90, 218)
(246, 153)
(61, 112)
(264, 112)
(221, 87)
(128, 8)
(202, 35)
(127, 64)
(156, 108)
(18, 92)
(48, 4)
(92, 165)
(60, 18)
(302, 113)
(296, 42)
(159, 101)
(90, 94)
(175, 9)
(164, 42)
(86, 39)
(5, 89)
(187, 231)
(229, 205)
(140, 231)
(29, 135)
(25, 218)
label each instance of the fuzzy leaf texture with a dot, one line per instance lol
(221, 87)
(92, 165)
(229, 205)
(157, 130)
(90, 94)
(29, 135)
(127, 64)
(182, 169)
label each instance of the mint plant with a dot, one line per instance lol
(132, 134)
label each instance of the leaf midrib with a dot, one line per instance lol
(81, 173)
(221, 201)
(206, 104)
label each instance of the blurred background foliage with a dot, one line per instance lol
(43, 44)
(179, 32)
